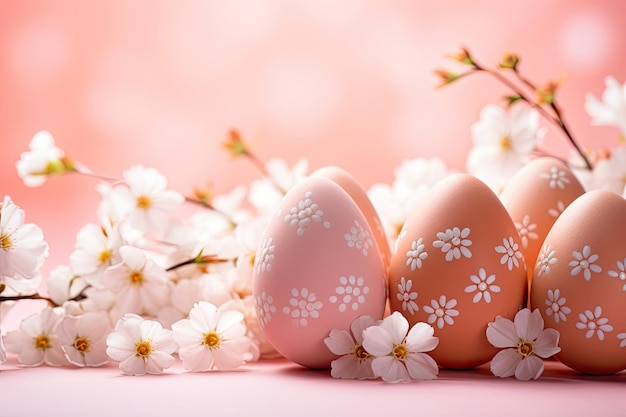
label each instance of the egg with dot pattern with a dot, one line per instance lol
(318, 268)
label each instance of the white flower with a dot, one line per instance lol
(441, 311)
(502, 143)
(83, 338)
(140, 346)
(304, 306)
(407, 296)
(400, 355)
(526, 230)
(143, 199)
(351, 292)
(483, 285)
(525, 342)
(510, 253)
(304, 214)
(620, 273)
(358, 238)
(593, 323)
(43, 159)
(454, 243)
(556, 306)
(36, 340)
(265, 255)
(556, 178)
(265, 308)
(355, 362)
(212, 338)
(96, 248)
(610, 173)
(545, 259)
(140, 284)
(22, 248)
(265, 194)
(63, 284)
(584, 262)
(416, 255)
(612, 110)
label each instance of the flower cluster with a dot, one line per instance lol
(160, 275)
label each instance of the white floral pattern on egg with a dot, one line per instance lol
(318, 268)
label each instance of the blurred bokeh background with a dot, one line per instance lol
(348, 83)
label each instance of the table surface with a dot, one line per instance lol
(281, 388)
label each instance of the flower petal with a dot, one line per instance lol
(339, 342)
(501, 333)
(421, 366)
(361, 323)
(505, 363)
(529, 368)
(396, 325)
(547, 344)
(528, 325)
(420, 338)
(390, 369)
(377, 341)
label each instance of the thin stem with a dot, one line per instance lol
(209, 206)
(261, 165)
(25, 297)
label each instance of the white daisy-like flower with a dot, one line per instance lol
(593, 323)
(483, 286)
(503, 143)
(545, 260)
(416, 255)
(212, 338)
(526, 230)
(96, 248)
(42, 160)
(359, 238)
(266, 193)
(454, 243)
(620, 273)
(584, 261)
(610, 172)
(351, 293)
(400, 351)
(139, 283)
(22, 247)
(303, 305)
(525, 342)
(510, 253)
(354, 361)
(143, 199)
(556, 306)
(83, 338)
(140, 346)
(304, 214)
(611, 111)
(36, 340)
(556, 178)
(406, 296)
(441, 311)
(265, 255)
(265, 308)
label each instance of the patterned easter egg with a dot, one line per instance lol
(318, 268)
(579, 283)
(458, 265)
(535, 197)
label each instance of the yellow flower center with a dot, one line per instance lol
(144, 202)
(42, 342)
(136, 278)
(400, 351)
(105, 255)
(505, 143)
(525, 348)
(211, 340)
(143, 348)
(6, 242)
(360, 354)
(82, 344)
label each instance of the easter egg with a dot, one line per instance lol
(535, 197)
(458, 265)
(579, 283)
(317, 268)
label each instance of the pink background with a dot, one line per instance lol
(348, 83)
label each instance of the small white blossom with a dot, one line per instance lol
(140, 346)
(483, 286)
(556, 306)
(83, 338)
(526, 230)
(454, 243)
(556, 178)
(304, 214)
(212, 338)
(612, 110)
(406, 296)
(510, 253)
(350, 293)
(584, 261)
(43, 159)
(593, 323)
(265, 308)
(545, 260)
(525, 342)
(354, 361)
(620, 273)
(399, 351)
(416, 255)
(303, 305)
(358, 238)
(96, 248)
(441, 311)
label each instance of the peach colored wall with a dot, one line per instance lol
(341, 82)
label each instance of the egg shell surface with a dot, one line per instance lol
(318, 267)
(458, 264)
(579, 283)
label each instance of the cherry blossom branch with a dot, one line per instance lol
(198, 260)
